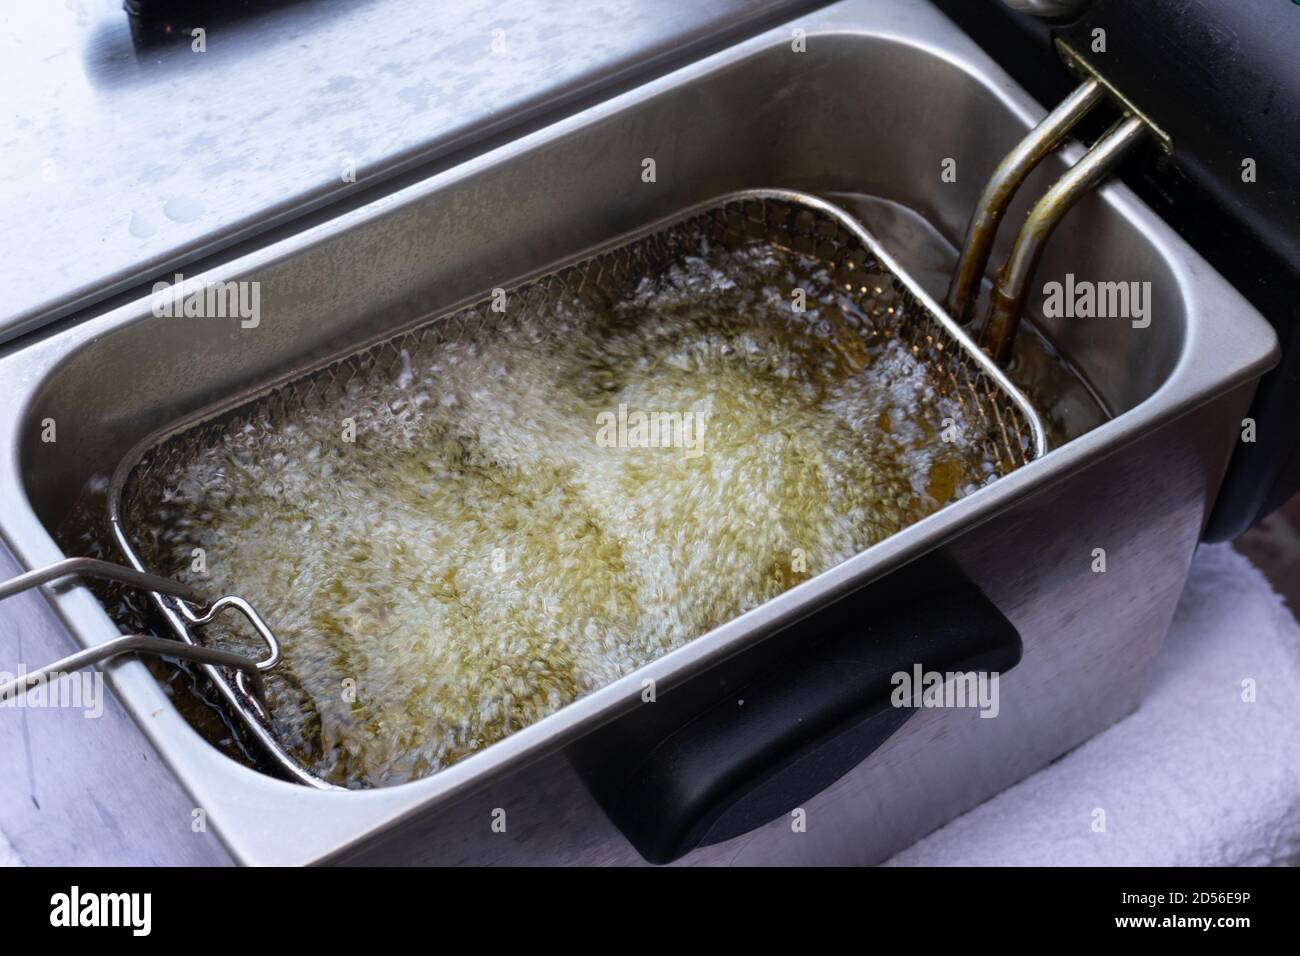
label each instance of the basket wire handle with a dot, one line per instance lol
(129, 644)
(249, 669)
(94, 568)
(251, 615)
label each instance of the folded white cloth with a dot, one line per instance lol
(1197, 776)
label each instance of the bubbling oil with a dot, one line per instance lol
(458, 548)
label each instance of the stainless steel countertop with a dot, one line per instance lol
(121, 159)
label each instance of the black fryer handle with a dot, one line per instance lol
(771, 744)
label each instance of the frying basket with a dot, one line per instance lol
(1006, 423)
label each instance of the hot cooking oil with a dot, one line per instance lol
(526, 509)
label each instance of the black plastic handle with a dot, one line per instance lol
(768, 745)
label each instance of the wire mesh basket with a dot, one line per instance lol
(1007, 426)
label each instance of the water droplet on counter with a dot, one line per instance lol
(142, 226)
(182, 209)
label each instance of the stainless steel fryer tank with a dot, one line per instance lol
(883, 94)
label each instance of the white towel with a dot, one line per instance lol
(1197, 776)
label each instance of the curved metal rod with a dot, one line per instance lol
(1013, 279)
(127, 644)
(202, 612)
(1002, 186)
(250, 614)
(94, 568)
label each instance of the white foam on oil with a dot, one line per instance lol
(476, 558)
